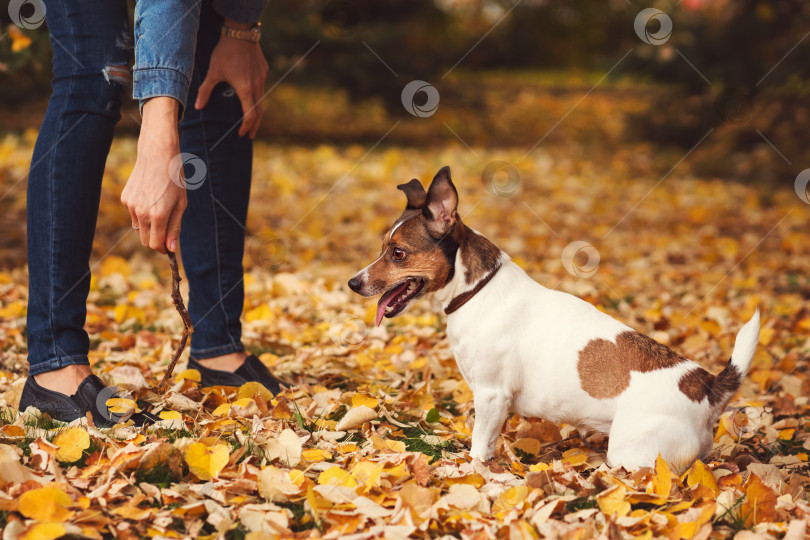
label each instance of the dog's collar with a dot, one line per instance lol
(465, 297)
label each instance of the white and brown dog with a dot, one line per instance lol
(545, 353)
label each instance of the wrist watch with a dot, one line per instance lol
(252, 34)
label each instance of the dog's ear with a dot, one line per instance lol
(415, 193)
(441, 204)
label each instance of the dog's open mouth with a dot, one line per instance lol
(396, 299)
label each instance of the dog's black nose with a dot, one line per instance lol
(354, 284)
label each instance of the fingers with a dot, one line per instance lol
(204, 92)
(173, 234)
(143, 229)
(257, 91)
(250, 118)
(157, 235)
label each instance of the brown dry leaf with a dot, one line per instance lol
(760, 502)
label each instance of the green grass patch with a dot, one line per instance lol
(161, 475)
(415, 442)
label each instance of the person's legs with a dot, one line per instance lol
(212, 238)
(91, 43)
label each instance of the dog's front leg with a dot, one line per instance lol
(491, 408)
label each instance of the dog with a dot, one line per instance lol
(545, 353)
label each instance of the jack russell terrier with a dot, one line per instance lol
(546, 353)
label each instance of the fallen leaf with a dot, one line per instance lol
(759, 504)
(612, 502)
(356, 416)
(206, 462)
(72, 442)
(46, 504)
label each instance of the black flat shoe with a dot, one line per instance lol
(92, 396)
(252, 370)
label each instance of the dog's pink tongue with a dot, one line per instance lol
(386, 299)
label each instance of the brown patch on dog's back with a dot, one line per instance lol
(604, 366)
(698, 384)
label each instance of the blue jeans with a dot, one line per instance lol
(88, 39)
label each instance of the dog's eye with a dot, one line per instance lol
(398, 254)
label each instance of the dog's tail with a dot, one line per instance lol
(728, 381)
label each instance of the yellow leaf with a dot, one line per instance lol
(574, 457)
(511, 498)
(19, 41)
(700, 475)
(612, 501)
(71, 442)
(314, 455)
(170, 415)
(121, 406)
(786, 434)
(251, 388)
(363, 399)
(262, 312)
(221, 410)
(206, 462)
(387, 444)
(190, 374)
(45, 531)
(114, 264)
(368, 473)
(462, 393)
(125, 312)
(766, 335)
(46, 504)
(335, 476)
(662, 481)
(243, 402)
(12, 311)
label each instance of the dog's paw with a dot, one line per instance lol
(480, 455)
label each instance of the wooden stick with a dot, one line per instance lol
(188, 327)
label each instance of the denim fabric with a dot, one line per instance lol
(243, 11)
(64, 185)
(212, 237)
(164, 48)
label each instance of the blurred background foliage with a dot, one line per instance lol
(507, 72)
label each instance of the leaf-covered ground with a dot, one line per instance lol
(371, 439)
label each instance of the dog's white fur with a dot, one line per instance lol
(517, 345)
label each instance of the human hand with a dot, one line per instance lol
(156, 200)
(241, 64)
